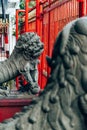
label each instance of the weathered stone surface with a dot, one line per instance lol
(63, 104)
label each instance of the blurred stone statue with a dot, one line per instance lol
(23, 60)
(63, 103)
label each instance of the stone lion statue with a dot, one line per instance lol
(23, 60)
(63, 103)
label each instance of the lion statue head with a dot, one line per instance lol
(30, 45)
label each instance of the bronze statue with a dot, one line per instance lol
(63, 103)
(23, 60)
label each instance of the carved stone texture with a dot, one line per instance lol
(63, 103)
(23, 60)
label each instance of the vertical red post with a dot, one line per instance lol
(38, 17)
(26, 15)
(38, 27)
(48, 69)
(17, 12)
(81, 8)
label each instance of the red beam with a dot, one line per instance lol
(55, 5)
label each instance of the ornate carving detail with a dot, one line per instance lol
(23, 60)
(63, 103)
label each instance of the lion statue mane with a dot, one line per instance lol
(63, 103)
